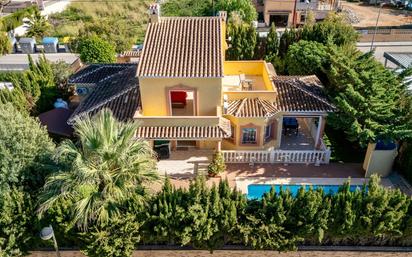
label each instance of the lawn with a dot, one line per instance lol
(121, 22)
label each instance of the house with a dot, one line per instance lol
(185, 95)
(20, 62)
(285, 13)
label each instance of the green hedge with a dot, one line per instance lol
(208, 218)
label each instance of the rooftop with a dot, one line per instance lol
(402, 60)
(20, 62)
(301, 94)
(183, 47)
(120, 94)
(96, 73)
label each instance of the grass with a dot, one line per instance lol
(125, 19)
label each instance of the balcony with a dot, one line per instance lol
(247, 76)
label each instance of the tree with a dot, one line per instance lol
(243, 40)
(272, 42)
(305, 58)
(288, 38)
(107, 168)
(41, 73)
(217, 165)
(370, 100)
(25, 161)
(25, 150)
(62, 71)
(96, 50)
(334, 29)
(243, 8)
(5, 44)
(37, 25)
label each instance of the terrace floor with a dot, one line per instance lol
(301, 141)
(269, 171)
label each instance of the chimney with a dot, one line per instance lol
(223, 15)
(154, 13)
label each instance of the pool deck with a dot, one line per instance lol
(243, 183)
(241, 175)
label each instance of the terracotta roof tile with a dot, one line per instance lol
(301, 94)
(222, 130)
(182, 47)
(248, 107)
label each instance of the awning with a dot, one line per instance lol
(218, 131)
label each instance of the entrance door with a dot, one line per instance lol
(280, 20)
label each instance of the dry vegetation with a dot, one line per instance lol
(116, 20)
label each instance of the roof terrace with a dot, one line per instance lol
(248, 76)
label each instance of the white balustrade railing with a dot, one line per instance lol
(278, 156)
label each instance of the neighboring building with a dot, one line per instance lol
(20, 62)
(285, 13)
(188, 96)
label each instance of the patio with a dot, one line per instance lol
(181, 163)
(303, 140)
(266, 171)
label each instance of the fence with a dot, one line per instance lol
(278, 156)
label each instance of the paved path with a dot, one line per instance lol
(50, 8)
(381, 47)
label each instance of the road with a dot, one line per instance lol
(50, 8)
(381, 47)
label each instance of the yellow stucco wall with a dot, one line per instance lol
(378, 161)
(254, 68)
(154, 94)
(260, 123)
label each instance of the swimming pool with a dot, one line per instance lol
(256, 191)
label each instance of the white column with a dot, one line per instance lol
(318, 131)
(219, 146)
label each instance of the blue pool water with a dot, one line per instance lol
(256, 191)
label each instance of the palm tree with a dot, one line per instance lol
(37, 25)
(107, 168)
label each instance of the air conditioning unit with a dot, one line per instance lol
(82, 91)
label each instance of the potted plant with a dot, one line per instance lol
(217, 165)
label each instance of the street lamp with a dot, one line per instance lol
(307, 2)
(47, 233)
(376, 25)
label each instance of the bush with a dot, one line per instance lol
(217, 165)
(305, 58)
(25, 160)
(96, 50)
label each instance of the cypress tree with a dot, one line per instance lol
(272, 42)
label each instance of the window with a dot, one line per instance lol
(249, 136)
(261, 17)
(268, 132)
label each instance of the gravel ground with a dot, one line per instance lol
(367, 15)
